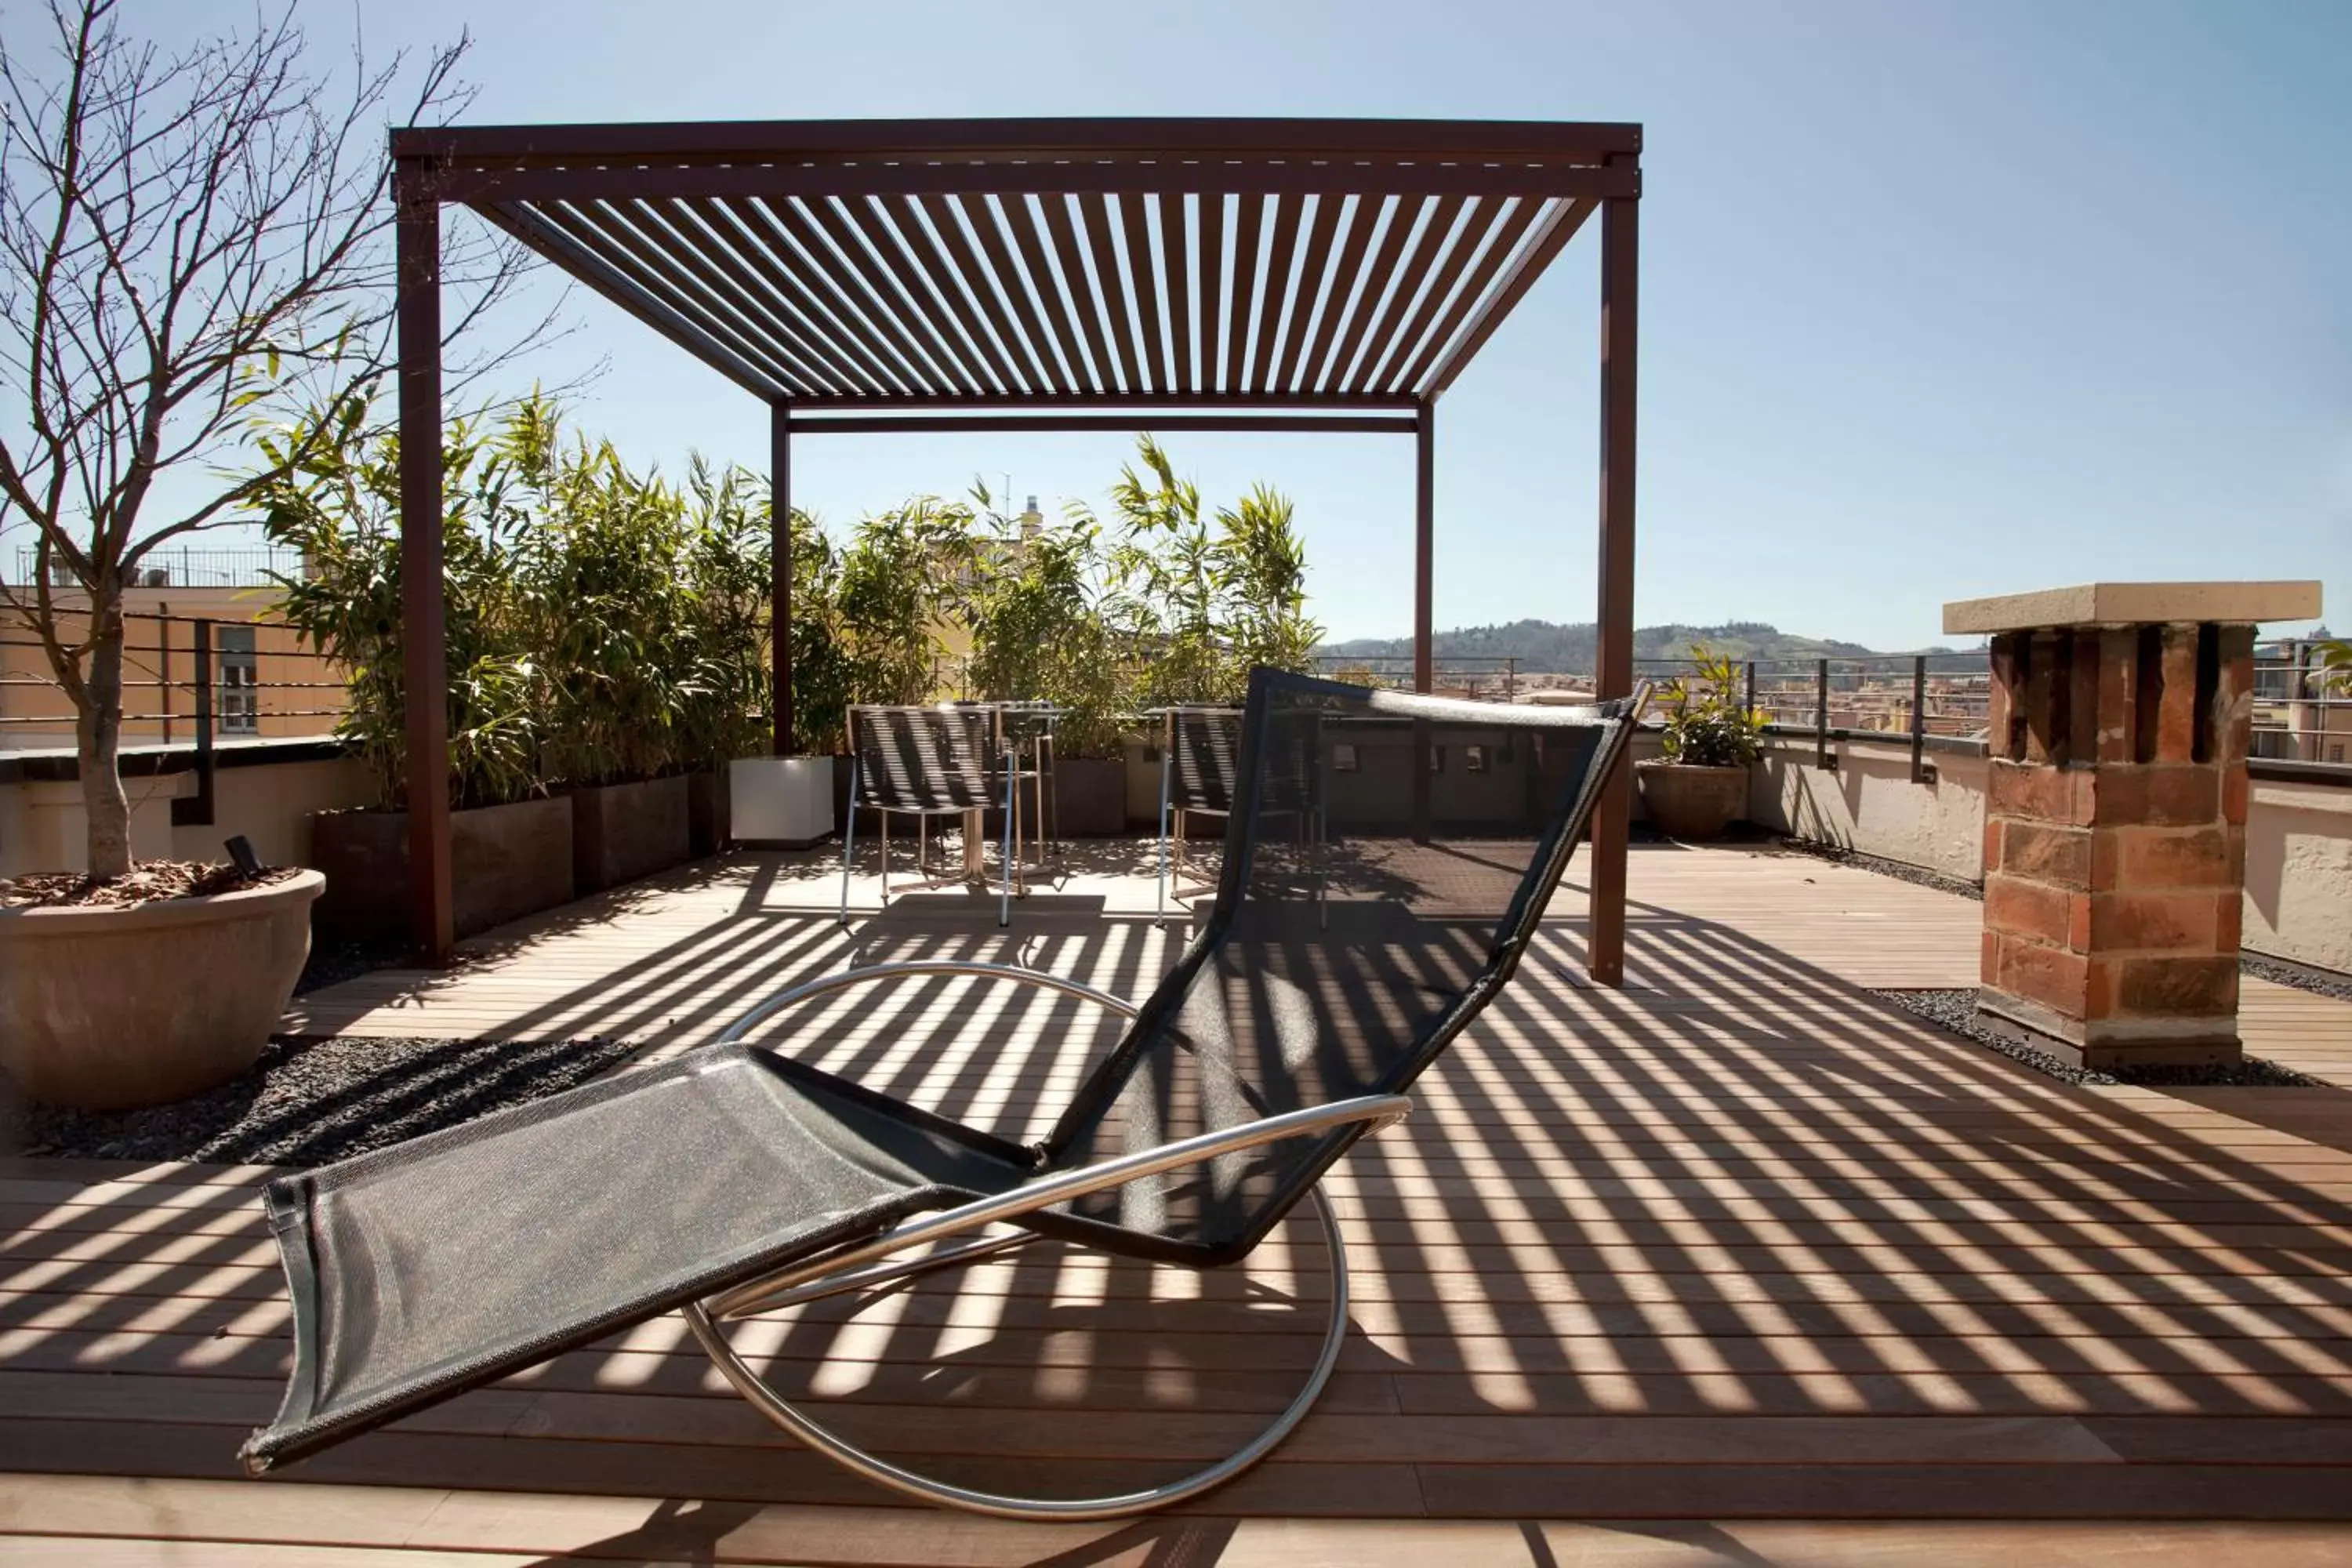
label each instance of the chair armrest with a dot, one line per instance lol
(874, 972)
(1377, 1110)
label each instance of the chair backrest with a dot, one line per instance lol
(1203, 752)
(1386, 863)
(925, 759)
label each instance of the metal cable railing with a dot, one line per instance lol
(188, 677)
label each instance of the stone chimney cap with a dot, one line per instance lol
(2136, 604)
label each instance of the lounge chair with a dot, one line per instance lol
(1326, 977)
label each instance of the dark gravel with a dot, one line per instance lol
(1956, 1011)
(333, 960)
(309, 1102)
(2303, 977)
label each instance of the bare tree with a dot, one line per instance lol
(194, 243)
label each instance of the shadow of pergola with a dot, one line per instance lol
(1739, 1188)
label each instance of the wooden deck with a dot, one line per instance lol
(1737, 1245)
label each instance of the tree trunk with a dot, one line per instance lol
(98, 735)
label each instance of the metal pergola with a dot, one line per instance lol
(1037, 275)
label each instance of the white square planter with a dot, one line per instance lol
(779, 800)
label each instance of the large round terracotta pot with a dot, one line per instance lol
(102, 1009)
(1685, 801)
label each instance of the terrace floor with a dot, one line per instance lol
(1739, 1259)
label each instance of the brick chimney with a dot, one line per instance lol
(2116, 813)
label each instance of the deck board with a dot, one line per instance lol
(1738, 1243)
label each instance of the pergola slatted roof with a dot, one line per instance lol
(1331, 276)
(1098, 262)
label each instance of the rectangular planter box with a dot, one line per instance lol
(1089, 796)
(787, 801)
(507, 861)
(705, 814)
(623, 832)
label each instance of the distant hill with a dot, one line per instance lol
(1547, 645)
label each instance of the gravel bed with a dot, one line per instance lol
(2325, 983)
(332, 962)
(1956, 1011)
(311, 1101)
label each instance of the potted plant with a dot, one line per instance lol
(1700, 785)
(339, 506)
(793, 799)
(1034, 611)
(193, 237)
(608, 611)
(723, 691)
(1198, 601)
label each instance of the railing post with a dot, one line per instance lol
(1919, 718)
(1822, 713)
(1750, 696)
(163, 667)
(196, 810)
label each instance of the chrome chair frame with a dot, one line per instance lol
(868, 1265)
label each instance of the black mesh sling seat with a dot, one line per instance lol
(1331, 970)
(943, 761)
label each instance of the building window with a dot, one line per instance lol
(1344, 759)
(235, 706)
(1437, 759)
(1474, 759)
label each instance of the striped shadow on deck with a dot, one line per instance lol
(1735, 1243)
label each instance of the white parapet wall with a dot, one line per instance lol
(2298, 833)
(263, 792)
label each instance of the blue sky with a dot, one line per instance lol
(1937, 301)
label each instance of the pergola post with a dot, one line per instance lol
(424, 630)
(1424, 542)
(1613, 665)
(780, 571)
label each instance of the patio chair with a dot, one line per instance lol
(735, 1181)
(943, 761)
(1198, 751)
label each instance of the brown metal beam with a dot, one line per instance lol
(625, 292)
(1282, 257)
(1176, 247)
(746, 258)
(1314, 270)
(424, 675)
(1249, 225)
(1110, 280)
(1299, 179)
(1085, 298)
(1449, 264)
(1613, 671)
(1035, 137)
(1213, 288)
(1139, 419)
(1032, 368)
(780, 574)
(1427, 247)
(1502, 243)
(1323, 401)
(880, 277)
(1314, 370)
(1143, 271)
(1567, 218)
